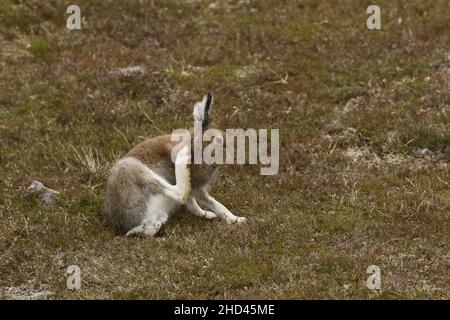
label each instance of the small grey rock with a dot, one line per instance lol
(48, 195)
(36, 186)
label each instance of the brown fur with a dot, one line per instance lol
(156, 154)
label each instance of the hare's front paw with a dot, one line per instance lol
(209, 215)
(241, 220)
(237, 220)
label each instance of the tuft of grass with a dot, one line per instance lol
(39, 47)
(87, 161)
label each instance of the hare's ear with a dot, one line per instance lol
(203, 110)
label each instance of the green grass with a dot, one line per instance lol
(38, 47)
(309, 68)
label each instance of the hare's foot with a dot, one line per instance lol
(146, 228)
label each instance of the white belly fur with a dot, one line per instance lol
(159, 208)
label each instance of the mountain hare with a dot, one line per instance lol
(145, 186)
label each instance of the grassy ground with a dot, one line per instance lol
(364, 160)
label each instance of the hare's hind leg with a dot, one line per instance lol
(146, 228)
(132, 186)
(178, 192)
(182, 177)
(181, 190)
(164, 197)
(156, 215)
